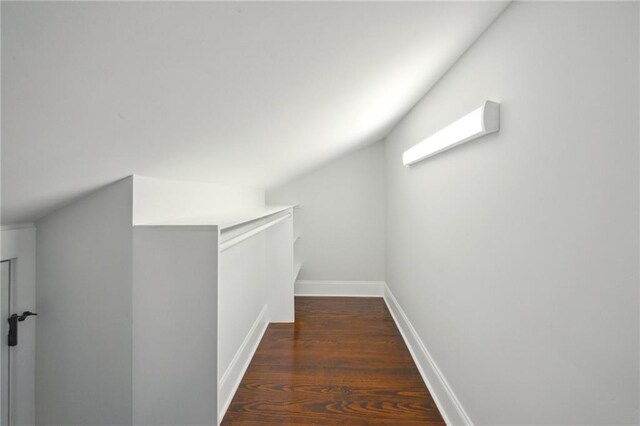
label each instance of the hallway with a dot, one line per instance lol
(342, 362)
(320, 213)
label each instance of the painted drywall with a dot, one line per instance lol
(279, 259)
(83, 351)
(175, 326)
(341, 218)
(162, 200)
(19, 244)
(242, 294)
(516, 256)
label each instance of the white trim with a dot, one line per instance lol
(226, 245)
(339, 288)
(17, 226)
(444, 397)
(230, 380)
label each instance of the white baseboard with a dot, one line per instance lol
(443, 395)
(339, 288)
(17, 226)
(230, 380)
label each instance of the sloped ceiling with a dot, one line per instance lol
(239, 93)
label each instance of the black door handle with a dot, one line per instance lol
(12, 338)
(26, 314)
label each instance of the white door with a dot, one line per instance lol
(5, 310)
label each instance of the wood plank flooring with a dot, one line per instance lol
(342, 363)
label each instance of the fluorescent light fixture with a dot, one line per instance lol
(479, 122)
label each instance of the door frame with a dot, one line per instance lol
(7, 363)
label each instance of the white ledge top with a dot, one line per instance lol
(223, 220)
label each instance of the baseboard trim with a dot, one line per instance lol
(444, 397)
(339, 288)
(16, 226)
(230, 380)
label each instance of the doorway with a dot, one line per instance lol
(14, 403)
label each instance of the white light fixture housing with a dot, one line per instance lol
(477, 123)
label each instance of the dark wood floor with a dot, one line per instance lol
(342, 363)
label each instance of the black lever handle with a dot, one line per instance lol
(26, 314)
(12, 337)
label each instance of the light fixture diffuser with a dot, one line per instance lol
(477, 123)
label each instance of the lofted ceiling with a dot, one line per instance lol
(247, 94)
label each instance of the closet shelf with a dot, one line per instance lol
(224, 220)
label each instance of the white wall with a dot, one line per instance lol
(162, 200)
(20, 244)
(341, 219)
(279, 259)
(83, 352)
(175, 326)
(516, 256)
(242, 293)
